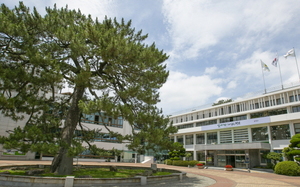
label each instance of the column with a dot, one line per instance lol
(270, 137)
(194, 147)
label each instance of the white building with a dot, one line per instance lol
(91, 122)
(240, 132)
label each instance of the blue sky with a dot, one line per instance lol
(215, 47)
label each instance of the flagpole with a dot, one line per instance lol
(279, 70)
(296, 63)
(263, 75)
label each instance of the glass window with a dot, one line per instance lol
(180, 139)
(280, 132)
(263, 156)
(201, 156)
(189, 140)
(185, 126)
(212, 138)
(200, 138)
(292, 98)
(296, 108)
(297, 128)
(259, 134)
(278, 101)
(267, 103)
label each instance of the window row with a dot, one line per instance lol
(266, 101)
(101, 119)
(259, 134)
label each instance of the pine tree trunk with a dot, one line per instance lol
(62, 163)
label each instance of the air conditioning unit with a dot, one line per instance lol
(245, 141)
(213, 143)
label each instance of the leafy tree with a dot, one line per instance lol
(188, 155)
(107, 60)
(286, 153)
(177, 151)
(295, 147)
(274, 157)
(222, 101)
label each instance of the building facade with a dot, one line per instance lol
(241, 132)
(93, 121)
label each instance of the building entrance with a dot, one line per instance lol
(234, 158)
(230, 160)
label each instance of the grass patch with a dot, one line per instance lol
(14, 172)
(93, 172)
(159, 173)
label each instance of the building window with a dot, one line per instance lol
(297, 128)
(263, 157)
(189, 140)
(200, 138)
(180, 139)
(296, 108)
(212, 138)
(268, 113)
(292, 98)
(267, 103)
(172, 138)
(96, 119)
(201, 155)
(209, 122)
(238, 108)
(191, 117)
(235, 118)
(185, 126)
(256, 105)
(259, 134)
(280, 132)
(278, 101)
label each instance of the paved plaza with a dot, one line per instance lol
(213, 177)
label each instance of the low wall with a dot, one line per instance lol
(33, 181)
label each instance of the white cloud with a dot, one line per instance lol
(210, 70)
(231, 85)
(182, 91)
(196, 25)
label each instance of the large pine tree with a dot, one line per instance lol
(107, 60)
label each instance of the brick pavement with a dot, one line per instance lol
(222, 178)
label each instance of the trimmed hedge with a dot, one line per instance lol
(168, 161)
(193, 162)
(289, 168)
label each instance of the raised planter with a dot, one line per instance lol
(34, 181)
(200, 167)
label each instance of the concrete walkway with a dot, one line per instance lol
(213, 177)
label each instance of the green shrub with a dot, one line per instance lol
(192, 162)
(181, 163)
(289, 168)
(175, 158)
(168, 161)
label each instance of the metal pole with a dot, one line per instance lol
(262, 71)
(279, 70)
(296, 62)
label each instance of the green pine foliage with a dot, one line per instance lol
(176, 151)
(106, 59)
